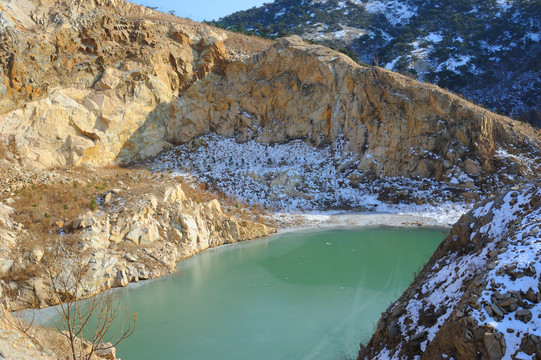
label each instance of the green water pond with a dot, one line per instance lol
(294, 296)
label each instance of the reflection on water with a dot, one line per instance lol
(293, 296)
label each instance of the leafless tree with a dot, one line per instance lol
(375, 57)
(89, 319)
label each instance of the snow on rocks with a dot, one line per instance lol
(480, 294)
(513, 292)
(297, 176)
(396, 12)
(347, 33)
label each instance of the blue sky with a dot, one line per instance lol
(199, 10)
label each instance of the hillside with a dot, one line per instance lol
(479, 297)
(488, 51)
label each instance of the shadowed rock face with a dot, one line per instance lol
(479, 297)
(398, 126)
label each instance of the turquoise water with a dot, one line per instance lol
(292, 296)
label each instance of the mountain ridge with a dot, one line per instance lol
(471, 47)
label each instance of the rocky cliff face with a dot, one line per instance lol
(396, 126)
(130, 236)
(106, 81)
(479, 296)
(92, 81)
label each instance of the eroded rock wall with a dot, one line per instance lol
(128, 237)
(107, 81)
(397, 126)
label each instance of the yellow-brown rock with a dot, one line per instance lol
(398, 126)
(107, 81)
(93, 81)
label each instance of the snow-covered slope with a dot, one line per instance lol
(479, 296)
(296, 176)
(488, 51)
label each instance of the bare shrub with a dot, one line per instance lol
(89, 319)
(20, 325)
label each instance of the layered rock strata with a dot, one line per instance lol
(479, 296)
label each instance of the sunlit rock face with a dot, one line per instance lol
(92, 81)
(396, 126)
(110, 82)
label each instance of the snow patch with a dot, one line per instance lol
(454, 63)
(347, 34)
(534, 36)
(280, 13)
(504, 4)
(434, 37)
(297, 176)
(395, 11)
